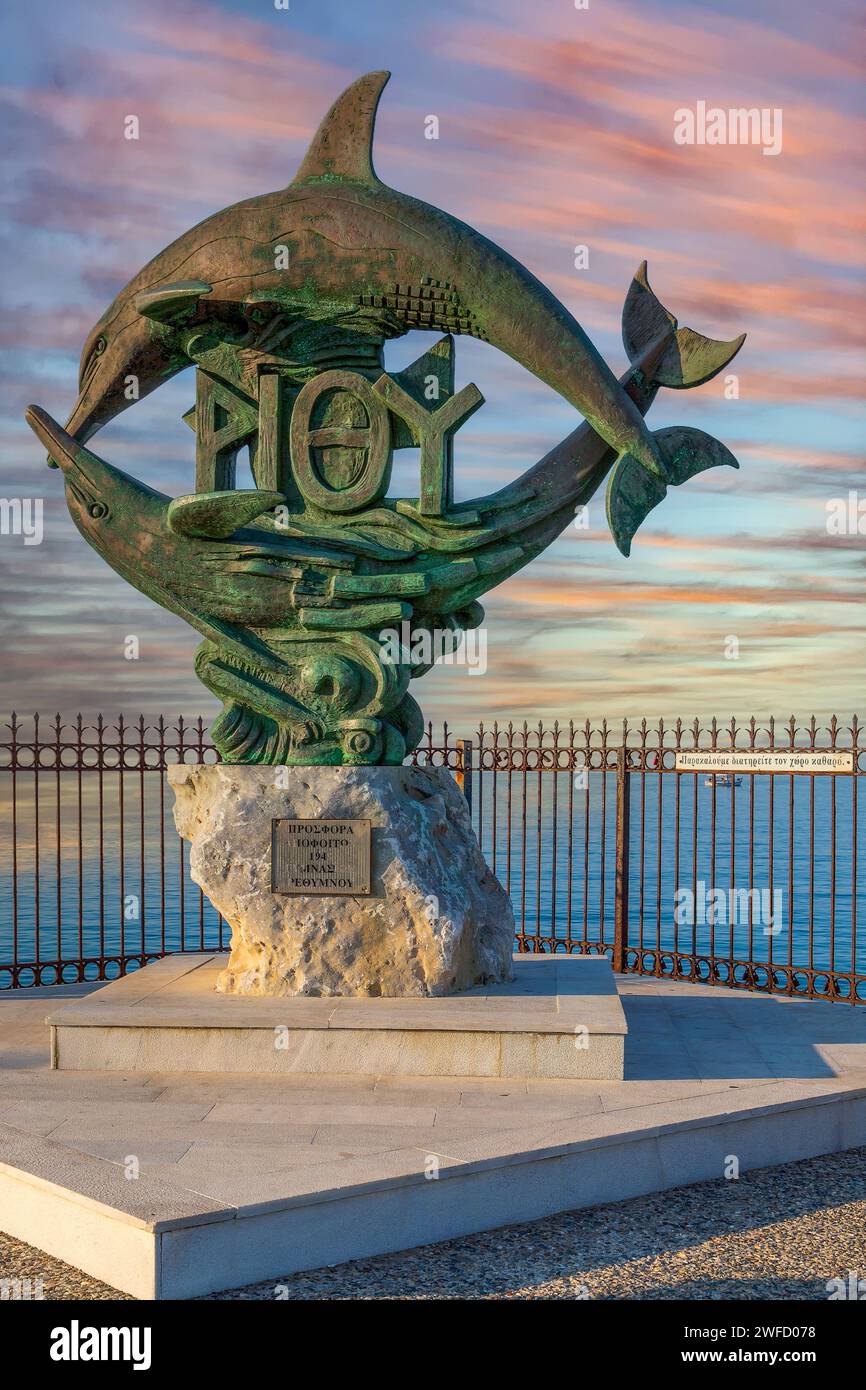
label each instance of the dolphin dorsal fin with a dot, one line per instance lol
(342, 147)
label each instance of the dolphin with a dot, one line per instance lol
(261, 594)
(221, 562)
(241, 587)
(350, 242)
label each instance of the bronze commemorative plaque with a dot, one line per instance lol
(320, 857)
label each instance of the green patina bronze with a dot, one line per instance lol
(284, 303)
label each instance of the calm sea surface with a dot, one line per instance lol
(803, 857)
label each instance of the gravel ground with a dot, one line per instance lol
(58, 1280)
(776, 1233)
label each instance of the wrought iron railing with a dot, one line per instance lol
(603, 843)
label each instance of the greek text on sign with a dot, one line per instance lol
(320, 857)
(766, 760)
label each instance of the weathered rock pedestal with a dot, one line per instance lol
(435, 920)
(347, 982)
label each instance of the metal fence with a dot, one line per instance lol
(604, 845)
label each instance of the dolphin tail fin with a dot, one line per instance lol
(341, 151)
(633, 491)
(685, 358)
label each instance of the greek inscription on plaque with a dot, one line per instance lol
(320, 857)
(720, 760)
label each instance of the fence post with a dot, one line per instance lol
(463, 774)
(620, 909)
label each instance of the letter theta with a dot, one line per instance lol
(340, 442)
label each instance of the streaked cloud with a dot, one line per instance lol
(555, 130)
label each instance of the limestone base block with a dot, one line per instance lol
(435, 921)
(560, 1017)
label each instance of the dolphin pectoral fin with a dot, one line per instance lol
(686, 358)
(217, 515)
(633, 492)
(342, 148)
(172, 303)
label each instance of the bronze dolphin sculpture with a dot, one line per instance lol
(386, 251)
(290, 297)
(311, 598)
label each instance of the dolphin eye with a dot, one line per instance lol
(95, 352)
(98, 510)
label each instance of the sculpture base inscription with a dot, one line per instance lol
(320, 857)
(431, 920)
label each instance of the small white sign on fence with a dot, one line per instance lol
(766, 760)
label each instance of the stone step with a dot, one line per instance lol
(560, 1017)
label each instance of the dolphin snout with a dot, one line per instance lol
(39, 421)
(56, 442)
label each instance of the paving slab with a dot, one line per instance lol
(249, 1176)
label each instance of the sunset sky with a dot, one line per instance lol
(555, 129)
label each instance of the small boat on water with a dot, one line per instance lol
(722, 779)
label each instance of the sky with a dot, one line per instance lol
(555, 130)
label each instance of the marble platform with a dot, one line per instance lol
(172, 1185)
(559, 1017)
